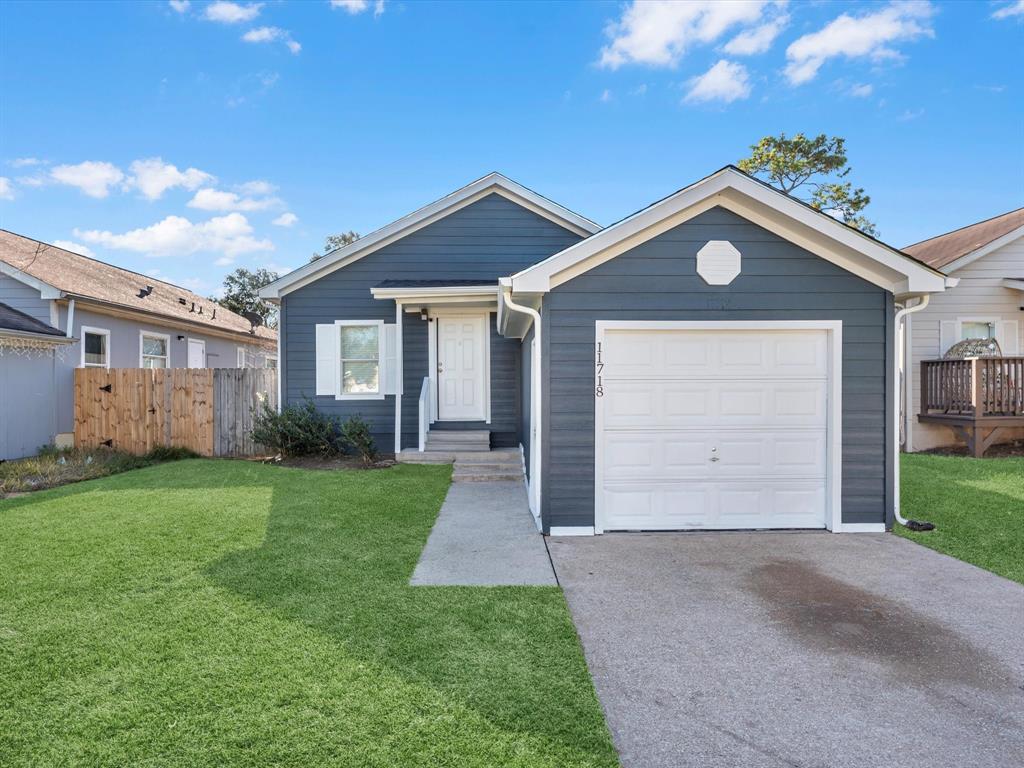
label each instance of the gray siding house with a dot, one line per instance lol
(723, 359)
(103, 316)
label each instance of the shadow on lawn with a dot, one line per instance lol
(337, 556)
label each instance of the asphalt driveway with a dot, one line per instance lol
(797, 649)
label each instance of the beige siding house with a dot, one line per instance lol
(988, 260)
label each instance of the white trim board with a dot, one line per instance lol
(46, 291)
(757, 202)
(834, 422)
(571, 530)
(492, 183)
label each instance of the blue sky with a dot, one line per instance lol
(185, 139)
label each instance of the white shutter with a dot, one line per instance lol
(948, 335)
(389, 360)
(328, 350)
(1006, 335)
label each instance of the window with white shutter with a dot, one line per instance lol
(356, 359)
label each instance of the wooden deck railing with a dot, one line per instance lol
(978, 387)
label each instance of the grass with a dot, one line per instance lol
(204, 613)
(977, 506)
(59, 466)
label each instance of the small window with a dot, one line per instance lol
(271, 362)
(977, 330)
(241, 357)
(95, 347)
(360, 359)
(155, 349)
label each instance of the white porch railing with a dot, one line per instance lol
(424, 412)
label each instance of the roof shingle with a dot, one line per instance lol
(12, 319)
(942, 250)
(81, 276)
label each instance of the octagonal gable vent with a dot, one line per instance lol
(718, 262)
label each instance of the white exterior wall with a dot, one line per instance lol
(980, 294)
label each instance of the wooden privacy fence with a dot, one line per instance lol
(208, 410)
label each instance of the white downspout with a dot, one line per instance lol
(896, 415)
(535, 399)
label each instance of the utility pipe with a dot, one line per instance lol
(912, 524)
(535, 396)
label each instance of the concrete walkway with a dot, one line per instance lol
(772, 650)
(484, 536)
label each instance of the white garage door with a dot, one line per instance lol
(718, 429)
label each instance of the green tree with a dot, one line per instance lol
(241, 293)
(811, 170)
(333, 242)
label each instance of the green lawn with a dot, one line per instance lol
(977, 506)
(229, 613)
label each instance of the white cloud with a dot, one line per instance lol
(69, 245)
(32, 181)
(270, 35)
(358, 6)
(726, 81)
(910, 114)
(757, 39)
(92, 177)
(219, 200)
(180, 6)
(285, 219)
(1009, 11)
(659, 32)
(6, 189)
(25, 162)
(256, 187)
(606, 96)
(870, 35)
(862, 90)
(229, 235)
(231, 13)
(152, 177)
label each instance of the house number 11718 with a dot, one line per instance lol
(598, 371)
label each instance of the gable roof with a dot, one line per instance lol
(57, 272)
(492, 183)
(12, 319)
(942, 251)
(756, 201)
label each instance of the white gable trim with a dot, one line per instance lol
(756, 202)
(493, 183)
(985, 250)
(46, 291)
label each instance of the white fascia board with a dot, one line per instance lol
(434, 294)
(776, 211)
(985, 250)
(46, 291)
(471, 193)
(1016, 285)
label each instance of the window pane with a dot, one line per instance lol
(153, 362)
(976, 331)
(95, 349)
(151, 345)
(359, 378)
(359, 342)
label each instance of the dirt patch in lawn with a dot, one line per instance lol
(999, 451)
(328, 462)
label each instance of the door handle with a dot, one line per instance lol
(439, 368)
(714, 458)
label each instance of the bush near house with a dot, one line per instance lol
(302, 430)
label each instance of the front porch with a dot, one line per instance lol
(979, 398)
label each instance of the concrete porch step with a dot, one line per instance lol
(459, 436)
(484, 474)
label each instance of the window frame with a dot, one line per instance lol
(341, 394)
(155, 335)
(241, 357)
(96, 332)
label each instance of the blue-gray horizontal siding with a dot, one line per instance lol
(658, 280)
(488, 239)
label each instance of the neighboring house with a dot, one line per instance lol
(29, 367)
(724, 358)
(988, 260)
(110, 318)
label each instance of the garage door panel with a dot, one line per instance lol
(714, 429)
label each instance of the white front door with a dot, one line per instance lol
(708, 429)
(461, 367)
(196, 353)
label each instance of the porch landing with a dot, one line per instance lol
(501, 464)
(485, 536)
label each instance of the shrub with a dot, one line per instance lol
(356, 434)
(162, 453)
(298, 430)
